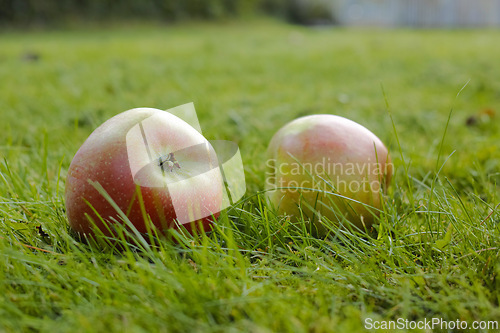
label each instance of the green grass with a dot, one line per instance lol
(435, 252)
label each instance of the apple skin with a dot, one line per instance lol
(327, 153)
(106, 158)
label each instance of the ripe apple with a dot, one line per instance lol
(327, 165)
(145, 164)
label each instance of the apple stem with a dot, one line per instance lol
(170, 162)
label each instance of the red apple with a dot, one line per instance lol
(152, 165)
(326, 165)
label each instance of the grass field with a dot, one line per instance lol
(434, 254)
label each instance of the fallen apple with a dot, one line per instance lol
(330, 166)
(143, 165)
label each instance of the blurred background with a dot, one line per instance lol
(386, 13)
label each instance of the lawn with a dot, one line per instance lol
(433, 254)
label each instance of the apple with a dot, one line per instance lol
(143, 165)
(327, 166)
